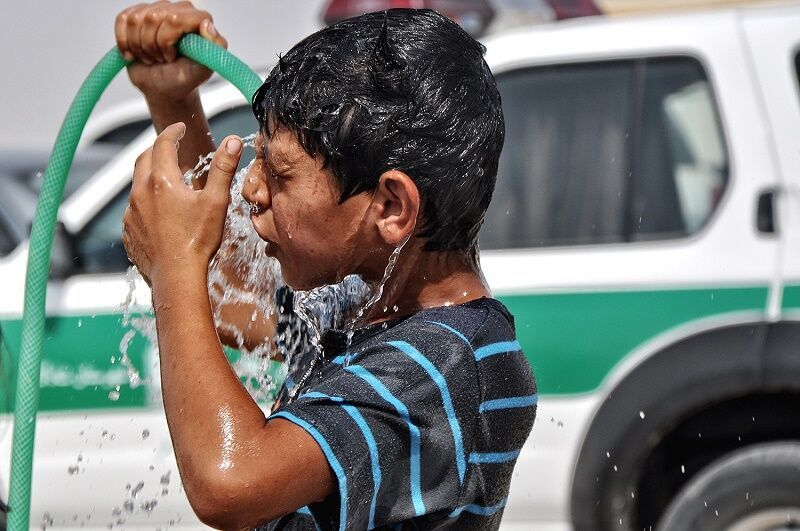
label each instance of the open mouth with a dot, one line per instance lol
(255, 208)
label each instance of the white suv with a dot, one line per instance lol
(645, 232)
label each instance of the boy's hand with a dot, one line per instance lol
(170, 231)
(147, 34)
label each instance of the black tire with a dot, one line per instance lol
(753, 489)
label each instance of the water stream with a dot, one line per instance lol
(241, 276)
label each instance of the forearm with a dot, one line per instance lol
(211, 416)
(197, 141)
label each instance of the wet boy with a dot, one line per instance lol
(381, 131)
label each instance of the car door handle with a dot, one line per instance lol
(765, 212)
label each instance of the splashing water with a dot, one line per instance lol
(241, 275)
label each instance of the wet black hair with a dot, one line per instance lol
(403, 89)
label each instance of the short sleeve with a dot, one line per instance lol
(395, 422)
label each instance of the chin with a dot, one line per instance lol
(305, 282)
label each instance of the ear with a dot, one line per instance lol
(397, 204)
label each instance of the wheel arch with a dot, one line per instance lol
(644, 403)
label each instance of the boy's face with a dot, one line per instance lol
(295, 208)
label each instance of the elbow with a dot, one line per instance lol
(223, 500)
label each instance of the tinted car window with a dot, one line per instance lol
(7, 243)
(98, 247)
(606, 152)
(124, 134)
(797, 67)
(237, 121)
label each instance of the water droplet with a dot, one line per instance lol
(80, 323)
(72, 470)
(608, 454)
(165, 478)
(641, 414)
(113, 395)
(128, 506)
(145, 433)
(116, 511)
(560, 424)
(615, 468)
(148, 506)
(137, 489)
(683, 469)
(395, 308)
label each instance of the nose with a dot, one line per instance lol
(255, 190)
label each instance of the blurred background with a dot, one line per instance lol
(66, 41)
(644, 232)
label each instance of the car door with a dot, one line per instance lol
(774, 46)
(627, 191)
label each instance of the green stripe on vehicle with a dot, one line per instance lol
(573, 340)
(791, 297)
(77, 371)
(77, 368)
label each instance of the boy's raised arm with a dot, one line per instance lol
(238, 470)
(146, 34)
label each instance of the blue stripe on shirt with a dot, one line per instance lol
(482, 510)
(454, 331)
(383, 391)
(440, 381)
(329, 455)
(305, 511)
(371, 444)
(508, 403)
(497, 348)
(493, 457)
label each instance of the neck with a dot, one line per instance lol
(423, 279)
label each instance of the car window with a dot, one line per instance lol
(7, 243)
(236, 121)
(124, 134)
(606, 152)
(797, 68)
(98, 247)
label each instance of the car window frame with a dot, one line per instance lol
(502, 68)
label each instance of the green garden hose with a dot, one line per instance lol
(42, 232)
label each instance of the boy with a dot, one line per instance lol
(379, 140)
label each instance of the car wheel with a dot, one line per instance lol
(753, 489)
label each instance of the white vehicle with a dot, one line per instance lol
(645, 233)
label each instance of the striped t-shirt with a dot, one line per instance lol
(421, 420)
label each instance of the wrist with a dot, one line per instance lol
(172, 105)
(178, 283)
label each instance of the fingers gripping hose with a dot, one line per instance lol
(42, 232)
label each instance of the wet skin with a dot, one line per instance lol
(237, 468)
